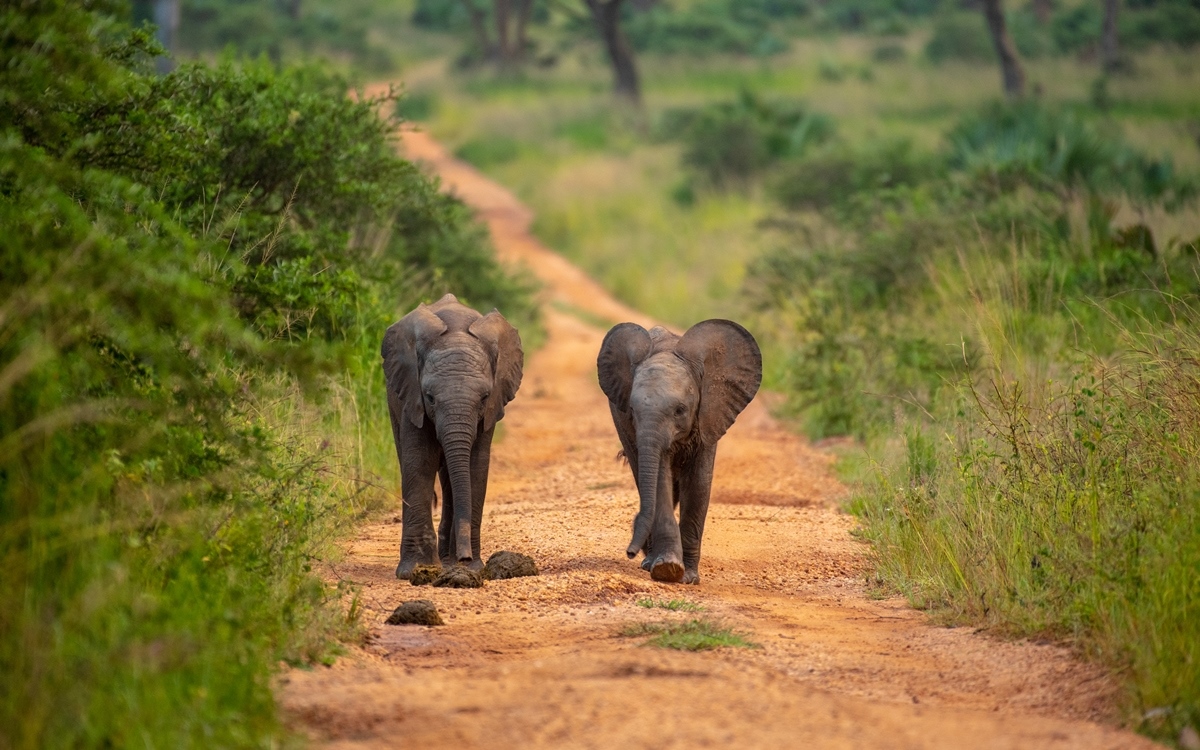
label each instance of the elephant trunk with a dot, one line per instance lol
(649, 462)
(457, 441)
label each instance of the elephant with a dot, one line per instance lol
(672, 398)
(449, 373)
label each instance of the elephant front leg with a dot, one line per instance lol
(666, 549)
(695, 487)
(418, 464)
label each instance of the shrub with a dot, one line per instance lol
(728, 143)
(198, 268)
(960, 36)
(489, 151)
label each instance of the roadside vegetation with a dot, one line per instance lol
(197, 270)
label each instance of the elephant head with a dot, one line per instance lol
(675, 393)
(447, 363)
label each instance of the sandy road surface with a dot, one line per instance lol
(537, 662)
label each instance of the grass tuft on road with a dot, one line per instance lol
(693, 635)
(675, 605)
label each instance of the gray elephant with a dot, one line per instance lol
(672, 398)
(450, 372)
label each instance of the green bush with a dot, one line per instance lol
(713, 26)
(280, 30)
(1039, 145)
(834, 175)
(732, 142)
(489, 151)
(960, 36)
(198, 268)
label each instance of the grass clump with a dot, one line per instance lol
(674, 605)
(693, 635)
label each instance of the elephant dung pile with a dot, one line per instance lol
(459, 577)
(506, 564)
(419, 612)
(423, 575)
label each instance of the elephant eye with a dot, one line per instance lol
(429, 397)
(483, 399)
(679, 411)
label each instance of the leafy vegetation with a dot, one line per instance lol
(197, 270)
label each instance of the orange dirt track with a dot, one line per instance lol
(538, 662)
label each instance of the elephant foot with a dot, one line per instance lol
(691, 576)
(476, 565)
(667, 569)
(405, 568)
(646, 563)
(408, 562)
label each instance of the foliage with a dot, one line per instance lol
(732, 142)
(1037, 145)
(960, 36)
(197, 270)
(291, 30)
(713, 26)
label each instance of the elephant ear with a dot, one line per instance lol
(728, 363)
(625, 346)
(403, 350)
(504, 345)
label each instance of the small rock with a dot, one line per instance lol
(419, 612)
(504, 564)
(423, 575)
(459, 577)
(1189, 738)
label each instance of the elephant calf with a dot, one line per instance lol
(450, 371)
(672, 398)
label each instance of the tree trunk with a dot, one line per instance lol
(503, 52)
(523, 9)
(1109, 51)
(1010, 64)
(166, 18)
(607, 15)
(477, 25)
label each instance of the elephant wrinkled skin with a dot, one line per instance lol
(672, 398)
(450, 372)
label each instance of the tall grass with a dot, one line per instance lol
(1065, 505)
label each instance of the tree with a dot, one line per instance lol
(607, 16)
(1006, 51)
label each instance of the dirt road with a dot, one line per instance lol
(538, 662)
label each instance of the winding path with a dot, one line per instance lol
(538, 662)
